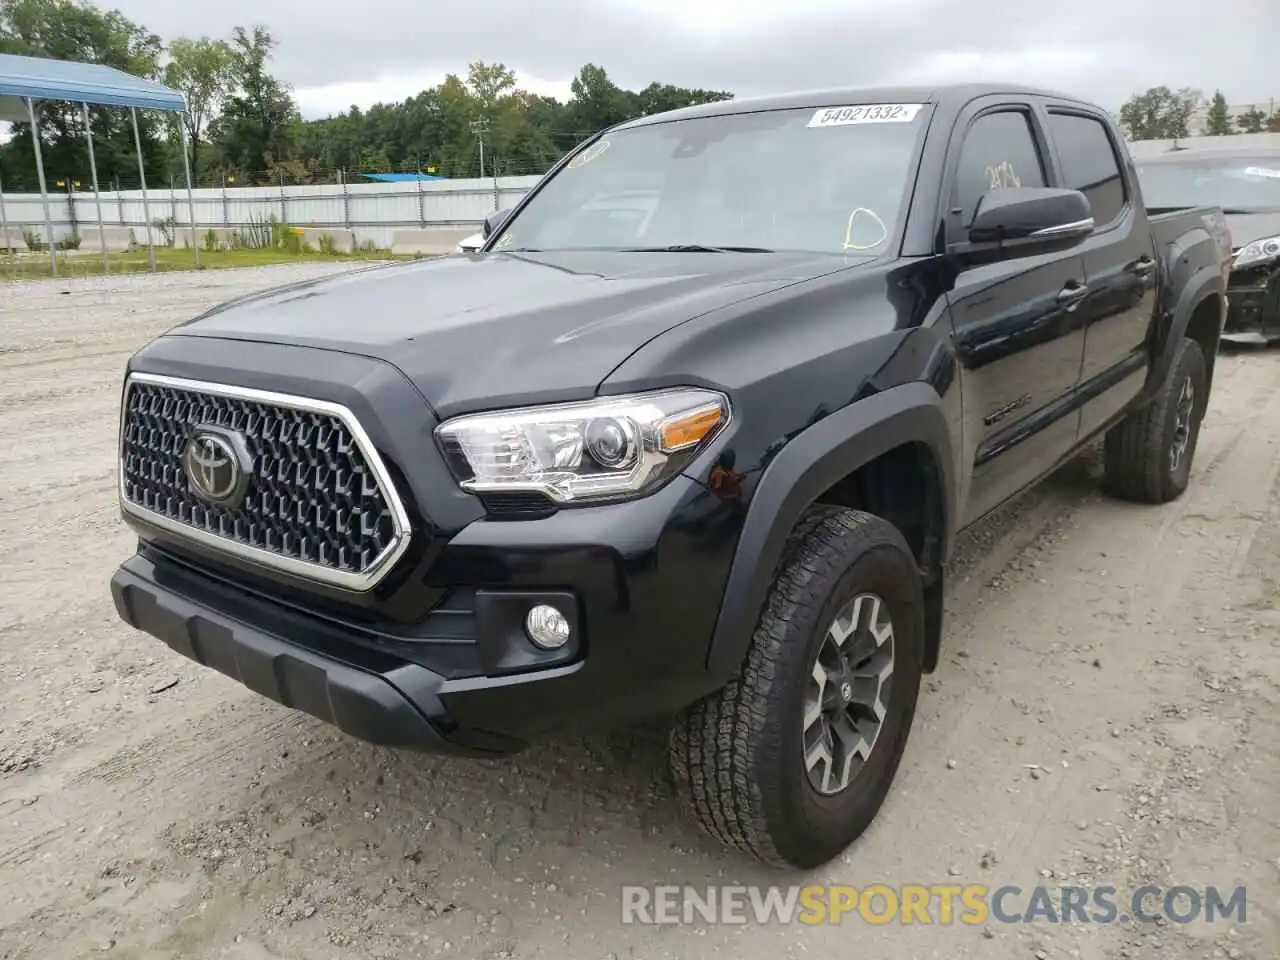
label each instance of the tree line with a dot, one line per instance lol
(244, 125)
(1161, 113)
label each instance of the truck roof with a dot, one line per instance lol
(938, 93)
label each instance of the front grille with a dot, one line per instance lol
(318, 500)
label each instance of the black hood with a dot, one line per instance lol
(1247, 227)
(488, 329)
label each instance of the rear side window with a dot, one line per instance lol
(1089, 163)
(999, 151)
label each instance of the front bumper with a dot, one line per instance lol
(1253, 315)
(640, 582)
(373, 698)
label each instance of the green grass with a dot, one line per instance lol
(35, 266)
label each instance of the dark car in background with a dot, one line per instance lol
(1246, 184)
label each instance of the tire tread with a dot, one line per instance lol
(712, 754)
(1134, 449)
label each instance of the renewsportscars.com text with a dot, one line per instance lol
(941, 904)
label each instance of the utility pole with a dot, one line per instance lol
(480, 128)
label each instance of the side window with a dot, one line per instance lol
(999, 151)
(1089, 163)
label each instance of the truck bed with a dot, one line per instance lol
(1168, 223)
(1177, 225)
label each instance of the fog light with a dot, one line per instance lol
(547, 627)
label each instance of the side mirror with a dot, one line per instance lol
(493, 221)
(1025, 221)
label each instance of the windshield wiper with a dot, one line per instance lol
(695, 248)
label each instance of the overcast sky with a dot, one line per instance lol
(335, 53)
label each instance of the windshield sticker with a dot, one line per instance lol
(865, 113)
(504, 242)
(592, 152)
(1262, 172)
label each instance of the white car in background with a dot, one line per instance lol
(470, 244)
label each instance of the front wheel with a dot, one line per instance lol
(793, 758)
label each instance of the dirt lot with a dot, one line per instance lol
(149, 808)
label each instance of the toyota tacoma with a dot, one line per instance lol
(690, 437)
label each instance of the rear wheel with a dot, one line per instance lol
(1148, 454)
(792, 760)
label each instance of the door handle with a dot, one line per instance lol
(1071, 295)
(1142, 266)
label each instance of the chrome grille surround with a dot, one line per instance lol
(321, 505)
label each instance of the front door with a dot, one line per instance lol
(1016, 324)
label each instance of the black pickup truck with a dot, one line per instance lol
(690, 437)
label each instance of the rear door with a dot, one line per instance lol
(1119, 264)
(1016, 332)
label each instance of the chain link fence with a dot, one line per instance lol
(372, 211)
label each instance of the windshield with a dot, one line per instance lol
(1233, 183)
(828, 180)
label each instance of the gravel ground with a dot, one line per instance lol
(1107, 712)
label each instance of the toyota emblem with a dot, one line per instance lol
(213, 468)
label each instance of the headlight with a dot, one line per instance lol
(609, 448)
(1259, 251)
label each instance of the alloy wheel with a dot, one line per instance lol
(1182, 424)
(847, 695)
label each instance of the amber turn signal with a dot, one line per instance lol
(690, 428)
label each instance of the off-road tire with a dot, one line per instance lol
(737, 755)
(1137, 450)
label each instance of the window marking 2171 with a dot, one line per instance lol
(1003, 175)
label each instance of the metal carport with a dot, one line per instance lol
(24, 80)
